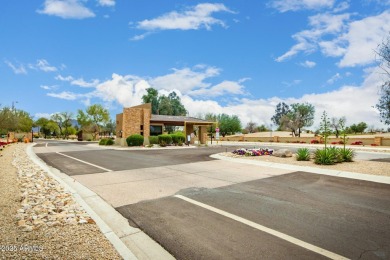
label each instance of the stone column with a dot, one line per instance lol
(378, 140)
(189, 131)
(202, 135)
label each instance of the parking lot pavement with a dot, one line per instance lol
(132, 186)
(348, 218)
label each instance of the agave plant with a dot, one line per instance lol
(303, 154)
(323, 156)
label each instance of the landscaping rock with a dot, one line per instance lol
(283, 153)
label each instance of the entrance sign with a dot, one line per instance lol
(217, 136)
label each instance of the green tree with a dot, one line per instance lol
(251, 127)
(384, 101)
(93, 118)
(164, 105)
(228, 124)
(281, 110)
(336, 124)
(303, 115)
(262, 128)
(151, 97)
(15, 120)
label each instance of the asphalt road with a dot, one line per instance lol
(347, 217)
(343, 217)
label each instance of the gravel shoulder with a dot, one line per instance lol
(358, 166)
(30, 234)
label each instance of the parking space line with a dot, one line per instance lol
(94, 165)
(278, 234)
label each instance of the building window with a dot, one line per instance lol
(142, 127)
(155, 130)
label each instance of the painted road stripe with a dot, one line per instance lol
(94, 165)
(278, 234)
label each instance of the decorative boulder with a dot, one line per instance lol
(283, 153)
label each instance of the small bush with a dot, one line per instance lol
(303, 154)
(167, 139)
(323, 156)
(135, 140)
(110, 142)
(314, 142)
(336, 154)
(178, 137)
(163, 144)
(347, 155)
(103, 142)
(153, 139)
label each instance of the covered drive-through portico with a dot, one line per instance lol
(140, 120)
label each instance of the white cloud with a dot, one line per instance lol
(45, 87)
(78, 82)
(321, 25)
(67, 9)
(341, 7)
(308, 64)
(223, 88)
(106, 2)
(340, 102)
(186, 79)
(44, 66)
(44, 115)
(334, 78)
(361, 46)
(82, 83)
(65, 95)
(16, 69)
(338, 36)
(126, 90)
(194, 18)
(296, 5)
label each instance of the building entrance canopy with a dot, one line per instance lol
(139, 120)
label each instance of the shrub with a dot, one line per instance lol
(347, 155)
(178, 137)
(163, 144)
(357, 143)
(167, 139)
(336, 154)
(323, 156)
(110, 142)
(153, 139)
(103, 142)
(314, 142)
(303, 154)
(135, 140)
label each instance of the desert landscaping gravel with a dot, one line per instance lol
(39, 219)
(358, 166)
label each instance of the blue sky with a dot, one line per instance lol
(234, 57)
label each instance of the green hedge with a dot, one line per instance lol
(178, 138)
(102, 141)
(167, 139)
(135, 140)
(153, 139)
(106, 141)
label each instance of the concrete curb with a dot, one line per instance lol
(335, 173)
(131, 243)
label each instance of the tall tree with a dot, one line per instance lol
(281, 110)
(93, 118)
(336, 124)
(151, 97)
(384, 101)
(251, 127)
(228, 124)
(301, 115)
(67, 123)
(15, 120)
